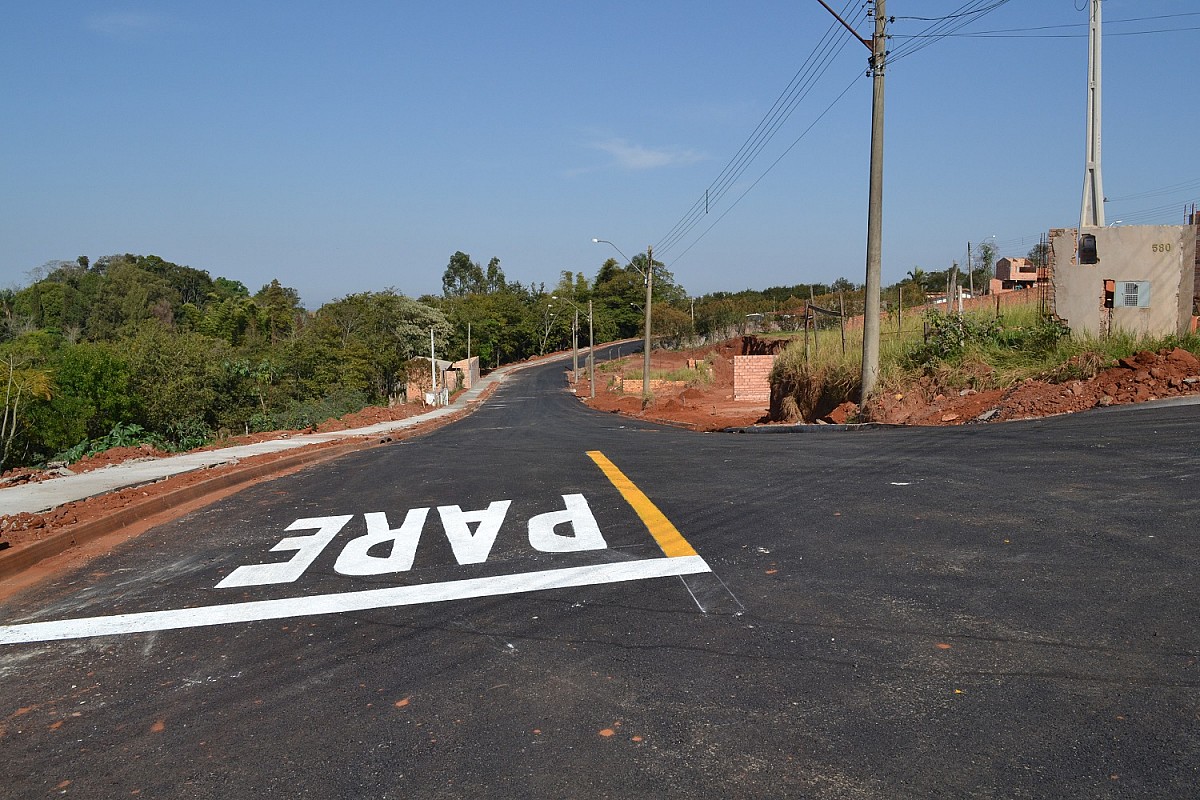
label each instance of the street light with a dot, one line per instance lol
(549, 324)
(648, 276)
(591, 344)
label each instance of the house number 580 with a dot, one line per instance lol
(1160, 248)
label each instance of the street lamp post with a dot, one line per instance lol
(591, 344)
(648, 275)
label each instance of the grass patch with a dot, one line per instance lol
(948, 353)
(700, 376)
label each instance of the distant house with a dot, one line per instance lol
(1017, 273)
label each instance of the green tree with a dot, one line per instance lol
(494, 281)
(280, 312)
(96, 379)
(917, 277)
(985, 258)
(127, 297)
(464, 276)
(224, 288)
(179, 380)
(377, 333)
(1039, 255)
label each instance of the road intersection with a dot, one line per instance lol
(542, 600)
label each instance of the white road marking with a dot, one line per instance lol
(352, 601)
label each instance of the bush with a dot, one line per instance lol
(122, 435)
(948, 335)
(308, 414)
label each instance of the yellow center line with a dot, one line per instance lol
(667, 535)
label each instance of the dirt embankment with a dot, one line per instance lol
(709, 405)
(1144, 376)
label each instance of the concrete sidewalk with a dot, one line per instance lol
(48, 494)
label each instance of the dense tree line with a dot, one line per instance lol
(139, 343)
(92, 351)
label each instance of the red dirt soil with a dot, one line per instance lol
(710, 406)
(701, 406)
(23, 528)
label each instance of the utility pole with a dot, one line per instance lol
(1091, 214)
(870, 362)
(878, 60)
(971, 269)
(971, 276)
(432, 368)
(649, 295)
(591, 351)
(575, 347)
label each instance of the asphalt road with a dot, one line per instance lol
(989, 611)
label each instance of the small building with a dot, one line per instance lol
(1136, 278)
(468, 372)
(1016, 273)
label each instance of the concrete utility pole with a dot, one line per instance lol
(575, 347)
(870, 360)
(432, 368)
(649, 295)
(1092, 213)
(878, 47)
(591, 352)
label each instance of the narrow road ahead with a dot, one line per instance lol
(546, 601)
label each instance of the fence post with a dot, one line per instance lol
(807, 312)
(842, 319)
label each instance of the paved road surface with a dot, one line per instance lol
(544, 601)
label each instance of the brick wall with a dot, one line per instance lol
(751, 378)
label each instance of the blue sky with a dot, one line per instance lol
(354, 146)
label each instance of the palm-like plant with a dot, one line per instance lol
(918, 277)
(20, 382)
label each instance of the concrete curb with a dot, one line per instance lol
(804, 427)
(14, 561)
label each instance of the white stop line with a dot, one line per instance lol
(351, 601)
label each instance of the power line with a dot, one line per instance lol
(815, 66)
(987, 35)
(802, 83)
(945, 26)
(1173, 188)
(797, 89)
(1001, 33)
(955, 15)
(768, 169)
(1161, 212)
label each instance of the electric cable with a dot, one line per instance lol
(813, 68)
(773, 164)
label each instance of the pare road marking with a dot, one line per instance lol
(356, 558)
(469, 546)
